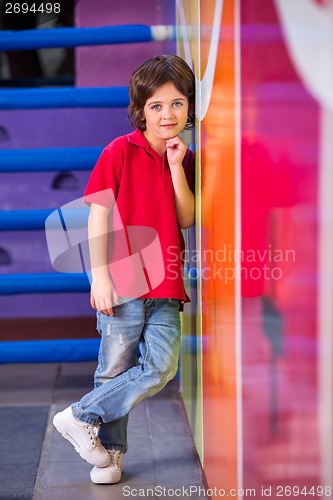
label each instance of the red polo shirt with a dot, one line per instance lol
(142, 186)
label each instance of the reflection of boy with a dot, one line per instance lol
(151, 173)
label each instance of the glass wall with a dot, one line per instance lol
(262, 356)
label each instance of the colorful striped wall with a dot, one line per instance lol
(257, 356)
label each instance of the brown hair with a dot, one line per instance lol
(151, 75)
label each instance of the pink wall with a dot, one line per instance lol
(265, 189)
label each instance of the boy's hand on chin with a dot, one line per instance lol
(176, 150)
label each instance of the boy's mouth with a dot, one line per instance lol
(169, 125)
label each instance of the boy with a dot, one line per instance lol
(150, 175)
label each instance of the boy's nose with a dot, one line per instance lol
(168, 113)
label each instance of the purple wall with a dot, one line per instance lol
(95, 66)
(113, 64)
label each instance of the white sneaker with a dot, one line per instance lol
(110, 474)
(83, 436)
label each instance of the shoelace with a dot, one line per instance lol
(115, 457)
(93, 432)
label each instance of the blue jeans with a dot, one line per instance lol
(120, 382)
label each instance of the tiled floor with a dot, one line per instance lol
(161, 455)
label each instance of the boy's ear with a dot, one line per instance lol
(143, 119)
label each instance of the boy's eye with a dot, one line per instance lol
(156, 106)
(177, 104)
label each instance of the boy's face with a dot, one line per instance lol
(166, 113)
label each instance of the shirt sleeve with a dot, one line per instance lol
(103, 184)
(189, 169)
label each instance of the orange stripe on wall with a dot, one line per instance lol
(218, 271)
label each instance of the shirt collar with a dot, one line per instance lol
(136, 137)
